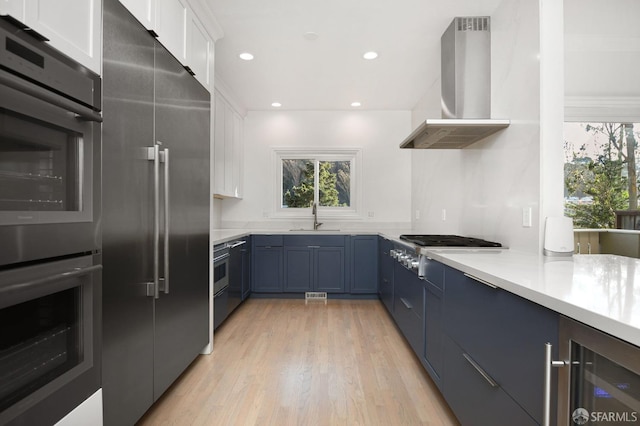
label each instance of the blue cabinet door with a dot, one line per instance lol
(408, 309)
(432, 356)
(298, 267)
(504, 333)
(364, 264)
(246, 268)
(267, 274)
(472, 398)
(385, 278)
(329, 272)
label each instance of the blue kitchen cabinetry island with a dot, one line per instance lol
(483, 346)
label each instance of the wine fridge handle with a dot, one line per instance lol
(548, 364)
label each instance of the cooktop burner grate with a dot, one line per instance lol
(447, 241)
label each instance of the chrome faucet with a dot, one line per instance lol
(316, 224)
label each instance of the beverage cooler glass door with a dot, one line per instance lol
(602, 391)
(598, 378)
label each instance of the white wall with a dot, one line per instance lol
(485, 187)
(386, 170)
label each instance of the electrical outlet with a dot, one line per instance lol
(370, 214)
(526, 217)
(417, 214)
(444, 214)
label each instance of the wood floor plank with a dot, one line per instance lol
(287, 362)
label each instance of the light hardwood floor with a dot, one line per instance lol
(284, 362)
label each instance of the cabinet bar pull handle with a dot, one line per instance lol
(548, 364)
(483, 373)
(578, 244)
(313, 246)
(589, 248)
(405, 303)
(481, 281)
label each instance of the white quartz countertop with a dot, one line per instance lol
(602, 291)
(219, 236)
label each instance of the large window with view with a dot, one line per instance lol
(601, 174)
(324, 179)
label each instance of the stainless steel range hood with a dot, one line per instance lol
(465, 91)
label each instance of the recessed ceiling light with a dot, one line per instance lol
(310, 35)
(356, 104)
(246, 56)
(370, 55)
(276, 104)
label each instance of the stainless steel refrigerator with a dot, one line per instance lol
(155, 218)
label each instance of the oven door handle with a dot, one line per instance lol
(6, 292)
(83, 113)
(220, 258)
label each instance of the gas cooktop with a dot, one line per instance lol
(447, 241)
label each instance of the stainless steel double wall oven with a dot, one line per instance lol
(50, 279)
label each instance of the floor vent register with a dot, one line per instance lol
(315, 295)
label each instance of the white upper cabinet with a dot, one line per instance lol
(228, 149)
(171, 27)
(180, 30)
(143, 10)
(15, 8)
(74, 27)
(199, 51)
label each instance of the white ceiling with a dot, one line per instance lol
(329, 73)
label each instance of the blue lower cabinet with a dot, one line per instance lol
(314, 263)
(267, 273)
(385, 273)
(329, 269)
(298, 269)
(471, 395)
(364, 264)
(504, 333)
(408, 307)
(432, 357)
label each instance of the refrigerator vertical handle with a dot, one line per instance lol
(156, 221)
(165, 159)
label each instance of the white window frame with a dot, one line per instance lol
(354, 155)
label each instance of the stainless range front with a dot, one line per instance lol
(49, 151)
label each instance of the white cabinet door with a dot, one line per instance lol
(200, 48)
(143, 10)
(15, 8)
(171, 24)
(237, 161)
(74, 27)
(219, 146)
(228, 149)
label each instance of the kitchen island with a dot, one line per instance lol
(602, 291)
